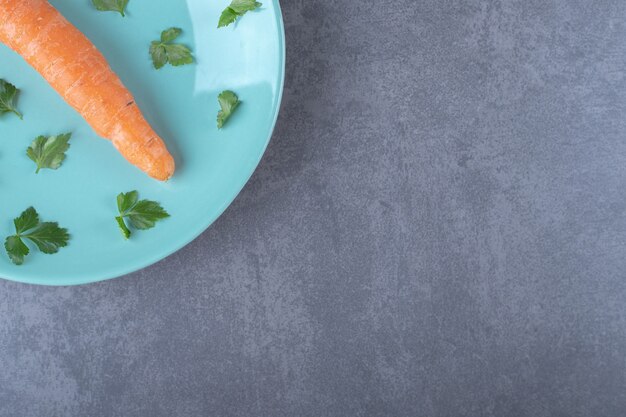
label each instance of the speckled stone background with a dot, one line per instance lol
(437, 229)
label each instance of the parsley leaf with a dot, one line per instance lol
(8, 98)
(228, 16)
(141, 215)
(111, 5)
(170, 35)
(228, 102)
(164, 51)
(16, 249)
(236, 9)
(48, 236)
(27, 220)
(49, 152)
(242, 6)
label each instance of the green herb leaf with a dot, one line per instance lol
(178, 55)
(123, 228)
(242, 6)
(8, 98)
(49, 152)
(236, 9)
(228, 16)
(48, 237)
(141, 214)
(27, 220)
(126, 201)
(145, 214)
(164, 51)
(169, 35)
(159, 55)
(228, 102)
(16, 249)
(111, 5)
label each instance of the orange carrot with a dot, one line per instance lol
(81, 75)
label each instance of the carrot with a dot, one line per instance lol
(81, 75)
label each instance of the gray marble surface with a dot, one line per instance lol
(437, 229)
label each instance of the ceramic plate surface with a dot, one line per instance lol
(180, 103)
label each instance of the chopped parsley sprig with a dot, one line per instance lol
(237, 9)
(8, 98)
(229, 103)
(48, 237)
(111, 6)
(49, 152)
(164, 51)
(141, 214)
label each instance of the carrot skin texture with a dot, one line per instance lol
(81, 75)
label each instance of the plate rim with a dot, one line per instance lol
(159, 256)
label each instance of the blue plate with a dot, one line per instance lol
(180, 103)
